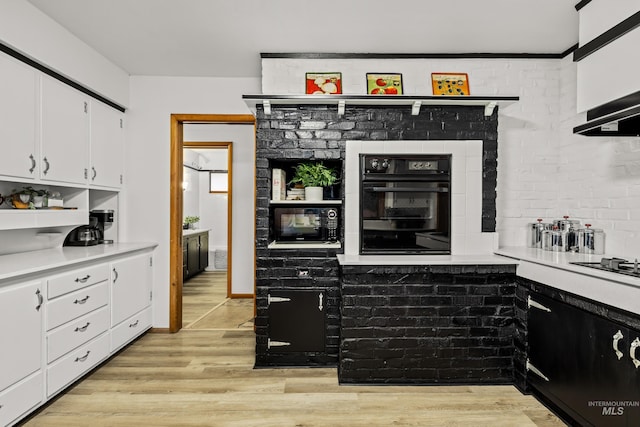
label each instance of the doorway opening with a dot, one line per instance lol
(178, 123)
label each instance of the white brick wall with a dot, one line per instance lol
(544, 170)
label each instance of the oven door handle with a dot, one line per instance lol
(406, 190)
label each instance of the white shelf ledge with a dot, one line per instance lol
(342, 101)
(305, 202)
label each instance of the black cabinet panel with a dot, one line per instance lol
(576, 351)
(296, 321)
(195, 254)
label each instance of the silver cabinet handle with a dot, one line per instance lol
(115, 272)
(134, 324)
(83, 279)
(83, 358)
(82, 301)
(616, 338)
(83, 328)
(95, 173)
(46, 166)
(320, 307)
(40, 299)
(632, 352)
(33, 163)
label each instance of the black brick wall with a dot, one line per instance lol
(427, 324)
(294, 133)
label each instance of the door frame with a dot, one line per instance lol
(176, 208)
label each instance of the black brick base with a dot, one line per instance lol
(427, 324)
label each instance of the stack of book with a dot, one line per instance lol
(295, 194)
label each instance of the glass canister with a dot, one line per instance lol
(534, 233)
(591, 240)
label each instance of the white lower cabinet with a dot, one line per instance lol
(130, 287)
(76, 363)
(58, 328)
(21, 307)
(19, 399)
(131, 328)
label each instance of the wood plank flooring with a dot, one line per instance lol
(206, 378)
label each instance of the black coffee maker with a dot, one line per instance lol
(84, 235)
(103, 218)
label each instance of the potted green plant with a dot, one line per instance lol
(313, 177)
(27, 198)
(189, 221)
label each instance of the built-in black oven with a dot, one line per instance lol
(405, 204)
(305, 223)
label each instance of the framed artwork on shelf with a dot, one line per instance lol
(384, 84)
(323, 83)
(450, 84)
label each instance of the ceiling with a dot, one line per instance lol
(224, 38)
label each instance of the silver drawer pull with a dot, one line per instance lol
(83, 328)
(83, 358)
(632, 352)
(31, 169)
(81, 301)
(617, 337)
(83, 279)
(134, 324)
(40, 299)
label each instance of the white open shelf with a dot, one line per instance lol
(342, 101)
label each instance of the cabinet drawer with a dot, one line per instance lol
(19, 399)
(75, 333)
(76, 363)
(76, 304)
(130, 328)
(77, 279)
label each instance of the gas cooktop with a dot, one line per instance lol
(614, 265)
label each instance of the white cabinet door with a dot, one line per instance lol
(107, 144)
(65, 133)
(130, 287)
(18, 112)
(21, 331)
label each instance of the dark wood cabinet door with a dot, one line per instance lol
(296, 321)
(204, 251)
(585, 377)
(193, 255)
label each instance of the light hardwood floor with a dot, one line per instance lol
(206, 378)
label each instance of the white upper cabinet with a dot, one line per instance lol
(65, 133)
(18, 109)
(107, 145)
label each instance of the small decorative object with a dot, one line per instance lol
(27, 198)
(323, 83)
(384, 84)
(189, 222)
(314, 176)
(450, 84)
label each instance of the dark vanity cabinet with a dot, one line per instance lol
(583, 363)
(296, 320)
(195, 254)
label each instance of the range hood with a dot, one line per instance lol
(616, 118)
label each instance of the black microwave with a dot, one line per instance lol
(305, 223)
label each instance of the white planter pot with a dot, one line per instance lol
(313, 193)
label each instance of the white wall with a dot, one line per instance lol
(544, 170)
(146, 198)
(27, 30)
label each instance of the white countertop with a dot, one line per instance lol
(561, 261)
(24, 263)
(191, 232)
(553, 269)
(480, 259)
